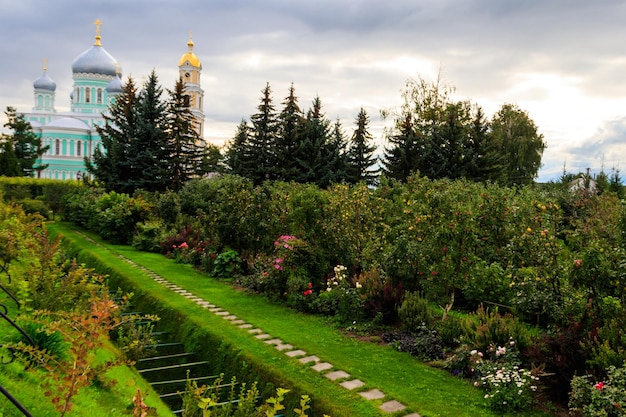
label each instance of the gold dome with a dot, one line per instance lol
(189, 56)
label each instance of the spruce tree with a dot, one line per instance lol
(26, 144)
(185, 148)
(148, 151)
(361, 153)
(313, 153)
(238, 158)
(401, 158)
(9, 164)
(288, 137)
(263, 139)
(112, 165)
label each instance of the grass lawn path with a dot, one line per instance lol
(390, 383)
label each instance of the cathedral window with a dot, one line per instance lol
(57, 147)
(99, 101)
(87, 95)
(78, 148)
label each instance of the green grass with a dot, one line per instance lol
(93, 401)
(428, 391)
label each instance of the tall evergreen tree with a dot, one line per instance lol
(148, 151)
(26, 145)
(263, 139)
(313, 153)
(9, 164)
(486, 161)
(360, 156)
(112, 165)
(401, 159)
(185, 148)
(288, 137)
(238, 158)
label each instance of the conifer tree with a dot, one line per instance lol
(288, 137)
(401, 158)
(313, 153)
(25, 143)
(238, 158)
(263, 139)
(9, 164)
(361, 153)
(148, 151)
(111, 165)
(185, 149)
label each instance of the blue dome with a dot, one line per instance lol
(45, 83)
(115, 86)
(95, 60)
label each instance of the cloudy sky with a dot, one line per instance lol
(562, 61)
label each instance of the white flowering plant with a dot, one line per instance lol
(507, 386)
(342, 297)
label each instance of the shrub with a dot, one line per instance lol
(415, 311)
(605, 398)
(226, 265)
(488, 327)
(148, 236)
(424, 343)
(32, 206)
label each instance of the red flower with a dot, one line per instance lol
(310, 285)
(307, 292)
(599, 385)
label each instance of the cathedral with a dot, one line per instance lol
(72, 136)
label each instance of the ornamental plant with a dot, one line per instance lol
(595, 398)
(341, 297)
(508, 386)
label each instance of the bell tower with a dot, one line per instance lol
(190, 69)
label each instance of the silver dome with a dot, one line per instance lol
(95, 60)
(115, 86)
(45, 83)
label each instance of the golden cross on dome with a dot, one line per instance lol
(45, 64)
(98, 23)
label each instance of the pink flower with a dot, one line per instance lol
(183, 245)
(599, 385)
(578, 263)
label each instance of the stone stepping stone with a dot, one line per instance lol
(215, 309)
(231, 317)
(274, 342)
(294, 353)
(322, 366)
(413, 415)
(205, 304)
(333, 376)
(255, 331)
(310, 359)
(246, 326)
(238, 321)
(392, 406)
(222, 313)
(353, 384)
(373, 394)
(262, 336)
(285, 346)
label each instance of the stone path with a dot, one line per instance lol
(343, 378)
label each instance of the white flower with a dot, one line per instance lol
(358, 285)
(473, 352)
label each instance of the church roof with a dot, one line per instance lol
(95, 60)
(115, 86)
(189, 58)
(68, 123)
(45, 83)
